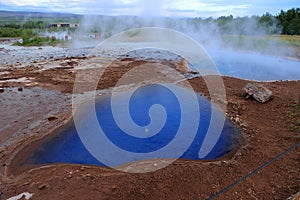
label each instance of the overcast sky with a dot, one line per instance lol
(175, 8)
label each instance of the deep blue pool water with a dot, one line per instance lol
(67, 146)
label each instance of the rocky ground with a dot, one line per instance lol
(36, 98)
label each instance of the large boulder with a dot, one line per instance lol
(259, 92)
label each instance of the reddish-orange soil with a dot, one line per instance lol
(267, 128)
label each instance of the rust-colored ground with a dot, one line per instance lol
(268, 131)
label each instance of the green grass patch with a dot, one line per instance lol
(261, 42)
(40, 41)
(15, 32)
(288, 40)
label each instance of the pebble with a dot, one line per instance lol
(52, 118)
(114, 187)
(43, 186)
(68, 176)
(82, 168)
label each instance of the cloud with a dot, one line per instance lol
(184, 8)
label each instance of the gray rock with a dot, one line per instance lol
(259, 92)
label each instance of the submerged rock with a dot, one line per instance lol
(259, 92)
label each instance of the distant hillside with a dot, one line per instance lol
(7, 17)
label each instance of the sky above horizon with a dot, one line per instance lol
(170, 8)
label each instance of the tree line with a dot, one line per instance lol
(286, 22)
(289, 21)
(27, 25)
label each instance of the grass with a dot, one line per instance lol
(261, 42)
(32, 37)
(14, 32)
(297, 111)
(40, 41)
(295, 116)
(292, 40)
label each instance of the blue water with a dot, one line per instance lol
(255, 66)
(236, 63)
(67, 147)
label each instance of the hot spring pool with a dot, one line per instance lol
(67, 147)
(255, 66)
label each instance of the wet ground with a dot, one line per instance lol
(26, 109)
(36, 100)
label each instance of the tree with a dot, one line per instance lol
(290, 21)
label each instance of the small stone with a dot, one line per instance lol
(69, 176)
(259, 92)
(52, 118)
(26, 183)
(1, 90)
(43, 186)
(244, 125)
(82, 168)
(237, 119)
(114, 187)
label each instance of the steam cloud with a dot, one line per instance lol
(243, 36)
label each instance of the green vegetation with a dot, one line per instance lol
(7, 17)
(133, 33)
(32, 26)
(255, 32)
(289, 40)
(261, 42)
(290, 21)
(297, 112)
(30, 37)
(287, 23)
(14, 32)
(295, 116)
(254, 25)
(27, 25)
(38, 41)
